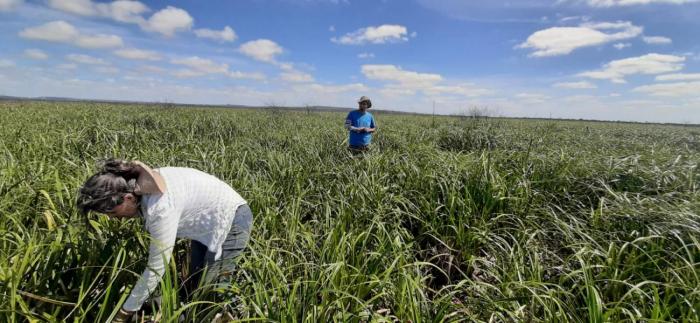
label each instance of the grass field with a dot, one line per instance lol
(494, 220)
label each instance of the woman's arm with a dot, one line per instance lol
(149, 180)
(163, 230)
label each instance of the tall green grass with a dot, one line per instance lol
(477, 220)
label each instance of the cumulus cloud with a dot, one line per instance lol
(67, 66)
(35, 54)
(616, 71)
(225, 35)
(657, 40)
(557, 41)
(575, 85)
(137, 54)
(246, 75)
(334, 89)
(403, 82)
(127, 11)
(107, 70)
(462, 89)
(263, 50)
(63, 32)
(374, 35)
(169, 21)
(199, 66)
(620, 46)
(121, 10)
(532, 97)
(679, 77)
(55, 31)
(99, 41)
(86, 59)
(7, 5)
(620, 3)
(670, 89)
(396, 74)
(6, 63)
(296, 77)
(365, 55)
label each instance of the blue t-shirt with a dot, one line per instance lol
(358, 119)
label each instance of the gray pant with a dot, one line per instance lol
(220, 271)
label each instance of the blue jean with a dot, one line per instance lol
(220, 272)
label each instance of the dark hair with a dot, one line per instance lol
(106, 189)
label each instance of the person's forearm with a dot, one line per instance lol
(122, 316)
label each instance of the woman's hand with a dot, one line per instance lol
(122, 316)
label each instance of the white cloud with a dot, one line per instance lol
(296, 76)
(620, 46)
(107, 70)
(169, 21)
(245, 75)
(532, 97)
(137, 54)
(333, 89)
(225, 35)
(55, 31)
(679, 77)
(62, 32)
(121, 10)
(365, 55)
(616, 71)
(127, 11)
(166, 21)
(197, 66)
(396, 74)
(7, 5)
(6, 63)
(670, 89)
(187, 73)
(200, 66)
(78, 7)
(464, 90)
(86, 59)
(35, 54)
(656, 40)
(619, 3)
(374, 35)
(557, 41)
(575, 85)
(406, 83)
(67, 66)
(263, 50)
(99, 41)
(153, 69)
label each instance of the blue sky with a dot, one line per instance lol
(636, 60)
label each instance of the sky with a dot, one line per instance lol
(630, 60)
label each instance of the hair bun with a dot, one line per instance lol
(120, 167)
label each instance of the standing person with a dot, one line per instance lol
(360, 124)
(174, 202)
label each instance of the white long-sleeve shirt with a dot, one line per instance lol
(195, 206)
